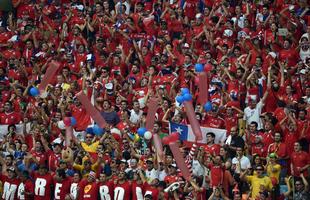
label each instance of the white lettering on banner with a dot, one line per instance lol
(139, 193)
(39, 189)
(57, 190)
(20, 191)
(119, 193)
(9, 191)
(73, 190)
(104, 193)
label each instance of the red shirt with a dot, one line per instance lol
(10, 118)
(106, 190)
(213, 149)
(43, 183)
(137, 190)
(91, 191)
(289, 139)
(81, 116)
(171, 179)
(40, 156)
(299, 160)
(279, 149)
(9, 187)
(28, 187)
(213, 122)
(53, 160)
(216, 175)
(231, 122)
(122, 191)
(151, 190)
(62, 188)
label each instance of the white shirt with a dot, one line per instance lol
(197, 168)
(135, 117)
(151, 175)
(242, 164)
(251, 115)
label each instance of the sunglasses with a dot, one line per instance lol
(259, 169)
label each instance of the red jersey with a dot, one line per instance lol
(10, 118)
(280, 149)
(27, 187)
(213, 122)
(106, 190)
(42, 189)
(299, 160)
(40, 156)
(137, 191)
(213, 149)
(91, 191)
(151, 190)
(216, 175)
(122, 191)
(62, 188)
(9, 187)
(53, 160)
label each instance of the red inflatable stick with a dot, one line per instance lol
(69, 135)
(151, 112)
(203, 88)
(158, 146)
(192, 119)
(92, 111)
(174, 147)
(49, 75)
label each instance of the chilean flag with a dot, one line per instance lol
(187, 135)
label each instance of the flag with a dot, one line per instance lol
(186, 133)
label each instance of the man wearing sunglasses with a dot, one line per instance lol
(258, 182)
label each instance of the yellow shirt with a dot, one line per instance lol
(90, 148)
(256, 184)
(275, 173)
(85, 173)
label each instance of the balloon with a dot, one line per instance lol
(73, 121)
(196, 80)
(174, 147)
(69, 134)
(208, 67)
(67, 121)
(199, 67)
(90, 130)
(184, 91)
(61, 125)
(97, 130)
(203, 88)
(208, 106)
(180, 99)
(141, 131)
(187, 97)
(34, 91)
(49, 75)
(158, 147)
(147, 135)
(151, 113)
(166, 140)
(174, 136)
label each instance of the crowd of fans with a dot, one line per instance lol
(120, 54)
